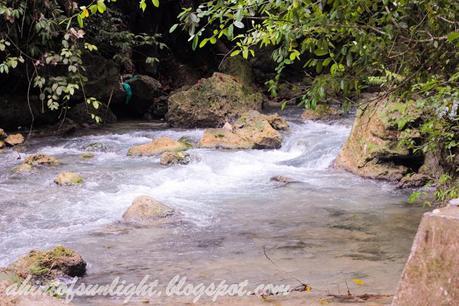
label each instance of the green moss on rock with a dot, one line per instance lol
(211, 102)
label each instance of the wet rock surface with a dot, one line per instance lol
(251, 131)
(158, 146)
(41, 160)
(14, 139)
(146, 210)
(172, 158)
(68, 179)
(45, 266)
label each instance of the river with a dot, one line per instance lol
(233, 222)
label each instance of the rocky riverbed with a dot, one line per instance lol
(318, 224)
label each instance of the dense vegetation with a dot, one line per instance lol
(407, 49)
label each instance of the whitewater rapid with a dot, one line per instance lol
(223, 196)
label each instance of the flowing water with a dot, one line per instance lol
(233, 223)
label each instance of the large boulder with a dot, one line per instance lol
(251, 131)
(374, 149)
(211, 102)
(431, 274)
(68, 179)
(45, 266)
(146, 210)
(158, 146)
(238, 67)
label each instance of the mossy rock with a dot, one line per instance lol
(374, 149)
(68, 179)
(211, 102)
(44, 266)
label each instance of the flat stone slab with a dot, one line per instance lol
(431, 274)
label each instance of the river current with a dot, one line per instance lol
(326, 229)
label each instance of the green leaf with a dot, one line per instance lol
(155, 2)
(245, 53)
(101, 7)
(195, 42)
(203, 42)
(80, 21)
(235, 52)
(453, 36)
(142, 5)
(238, 24)
(321, 52)
(172, 29)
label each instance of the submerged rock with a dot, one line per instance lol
(2, 144)
(171, 158)
(96, 147)
(14, 139)
(87, 155)
(68, 179)
(373, 149)
(158, 146)
(251, 131)
(211, 102)
(44, 266)
(431, 274)
(146, 210)
(22, 168)
(283, 179)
